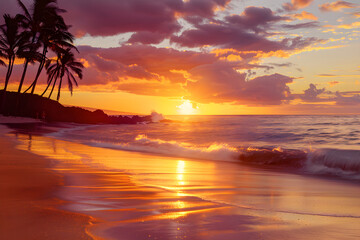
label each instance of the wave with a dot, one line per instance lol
(217, 152)
(343, 163)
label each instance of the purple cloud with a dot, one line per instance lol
(220, 82)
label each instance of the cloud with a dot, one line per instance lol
(248, 31)
(312, 24)
(288, 64)
(336, 6)
(202, 8)
(220, 82)
(326, 75)
(111, 17)
(201, 77)
(129, 62)
(349, 26)
(355, 14)
(146, 37)
(304, 15)
(333, 83)
(267, 90)
(154, 19)
(245, 32)
(337, 75)
(225, 37)
(340, 98)
(257, 19)
(311, 94)
(296, 4)
(347, 99)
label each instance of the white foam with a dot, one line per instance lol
(218, 152)
(156, 117)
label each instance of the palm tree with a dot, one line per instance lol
(43, 13)
(51, 75)
(12, 43)
(53, 36)
(65, 65)
(2, 55)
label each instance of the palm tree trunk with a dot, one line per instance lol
(49, 83)
(58, 96)
(7, 78)
(39, 69)
(47, 87)
(25, 68)
(9, 71)
(23, 75)
(52, 89)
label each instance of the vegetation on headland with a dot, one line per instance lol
(35, 106)
(30, 36)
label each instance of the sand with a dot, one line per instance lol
(28, 207)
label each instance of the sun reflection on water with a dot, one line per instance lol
(180, 170)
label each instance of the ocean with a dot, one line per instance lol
(317, 145)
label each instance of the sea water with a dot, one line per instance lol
(310, 144)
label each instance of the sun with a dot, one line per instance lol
(187, 108)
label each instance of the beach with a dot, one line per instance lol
(179, 119)
(29, 208)
(137, 195)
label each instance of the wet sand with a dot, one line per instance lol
(143, 196)
(28, 208)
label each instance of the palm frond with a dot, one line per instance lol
(23, 7)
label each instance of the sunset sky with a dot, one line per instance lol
(212, 56)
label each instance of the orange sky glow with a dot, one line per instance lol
(223, 57)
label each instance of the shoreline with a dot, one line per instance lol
(29, 207)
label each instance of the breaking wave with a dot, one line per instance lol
(217, 152)
(343, 163)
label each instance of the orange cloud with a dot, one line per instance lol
(355, 14)
(333, 83)
(336, 6)
(349, 26)
(333, 75)
(296, 4)
(304, 15)
(84, 62)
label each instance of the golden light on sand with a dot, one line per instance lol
(187, 108)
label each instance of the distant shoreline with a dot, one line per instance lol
(35, 106)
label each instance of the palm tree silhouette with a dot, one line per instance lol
(65, 65)
(54, 35)
(44, 13)
(2, 55)
(12, 43)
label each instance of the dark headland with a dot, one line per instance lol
(35, 106)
